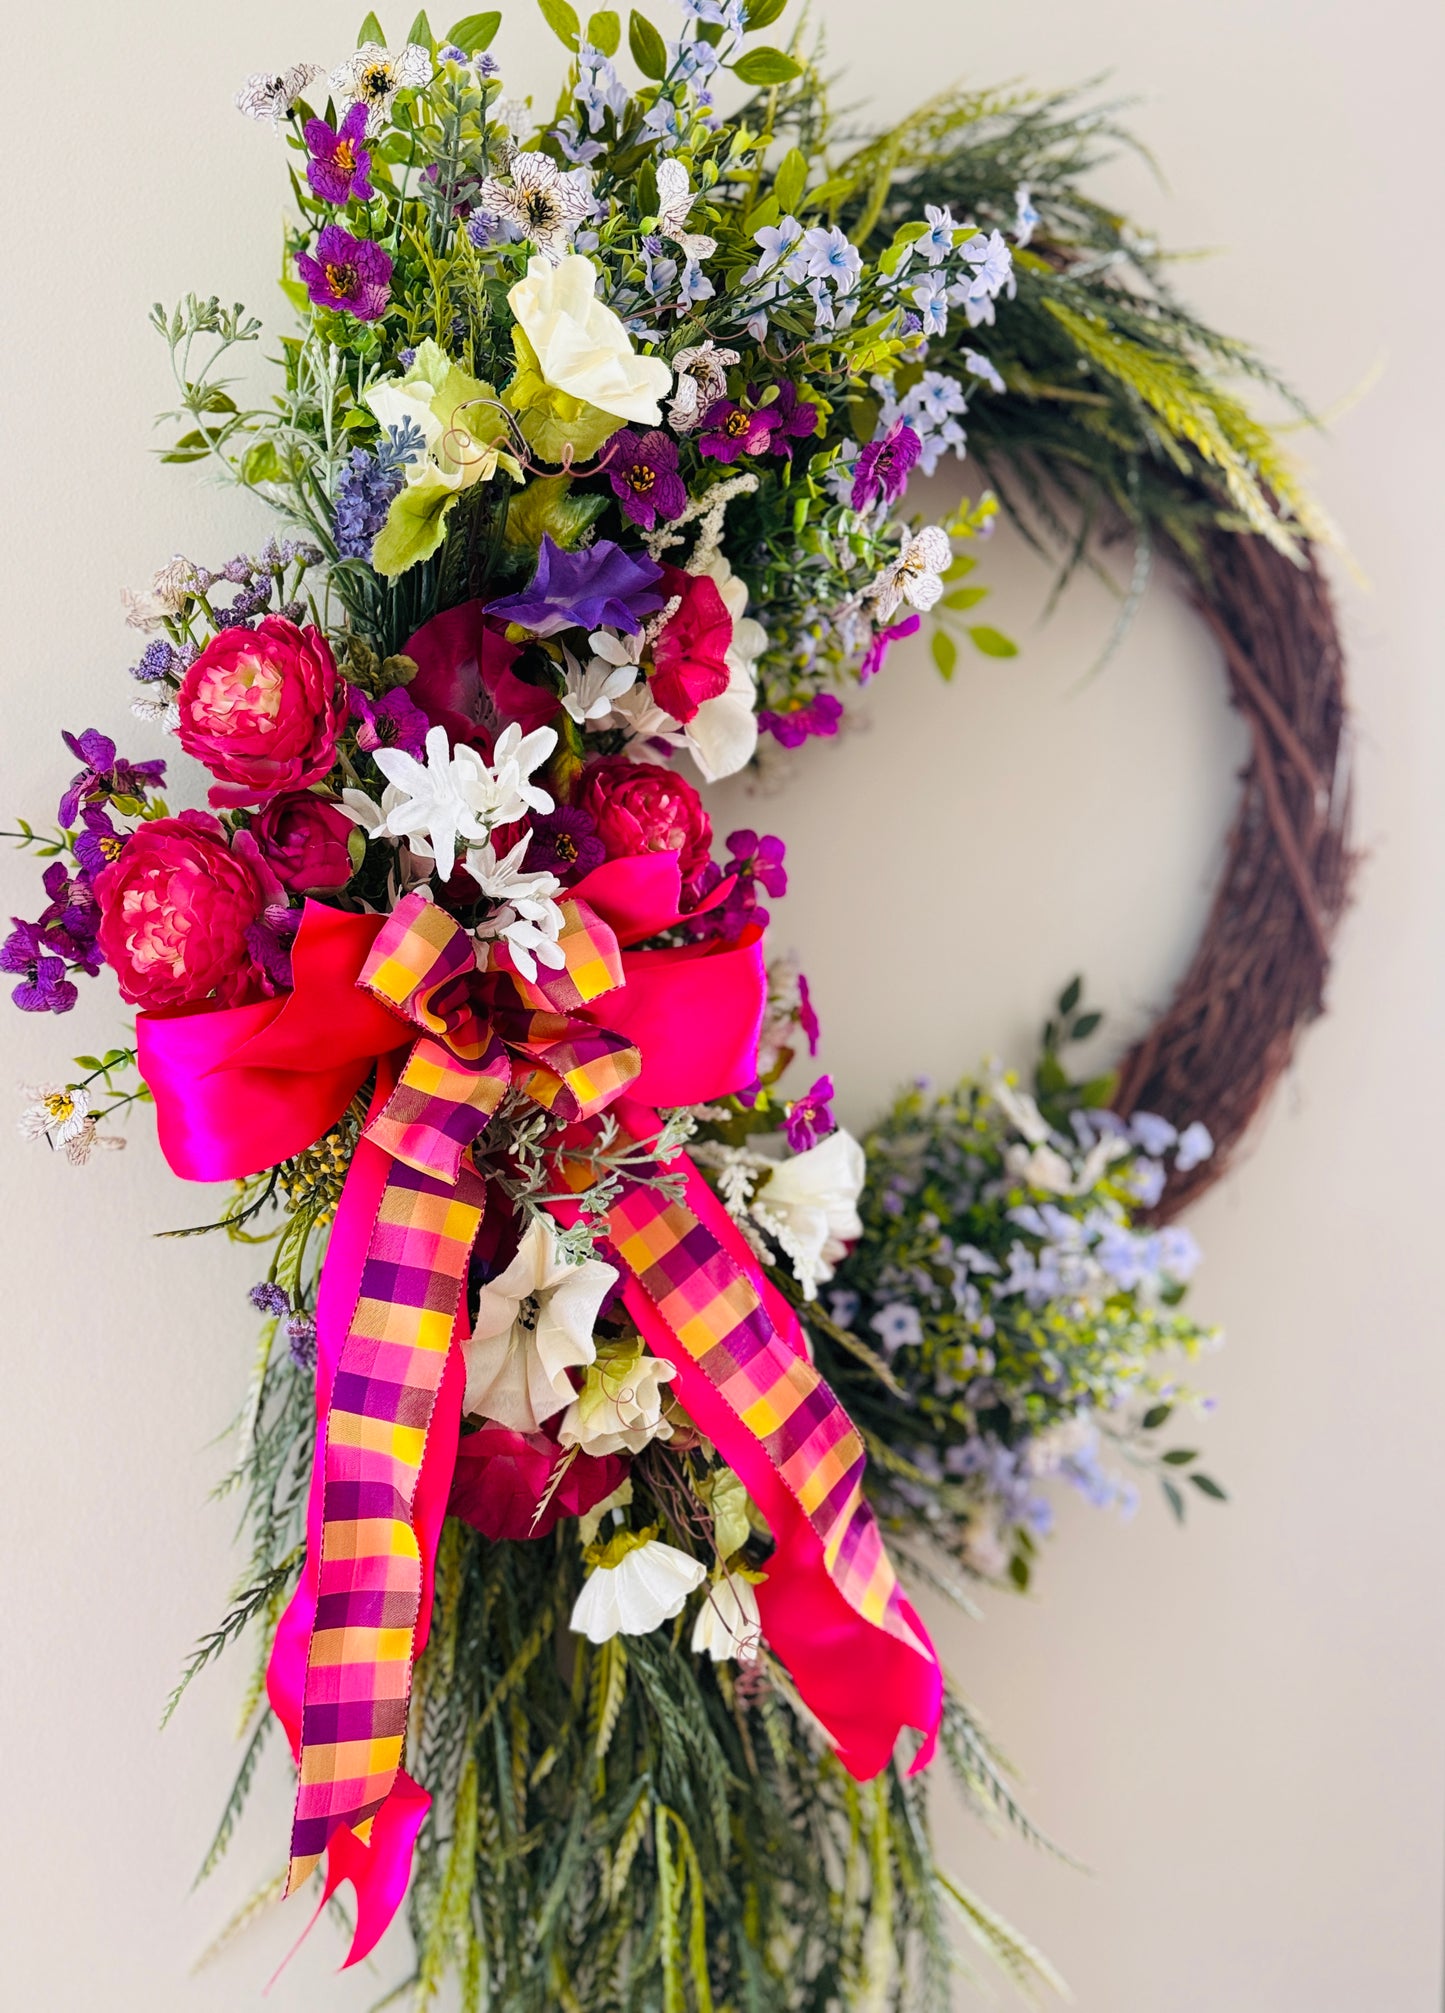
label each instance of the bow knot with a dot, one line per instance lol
(472, 1048)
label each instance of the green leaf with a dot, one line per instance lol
(88, 1062)
(475, 32)
(965, 597)
(1180, 1457)
(1155, 1417)
(261, 463)
(791, 179)
(964, 564)
(1175, 1500)
(1018, 1572)
(944, 652)
(420, 31)
(766, 66)
(762, 13)
(1069, 998)
(604, 32)
(370, 31)
(1207, 1486)
(1098, 1093)
(1085, 1025)
(992, 642)
(562, 20)
(549, 505)
(649, 51)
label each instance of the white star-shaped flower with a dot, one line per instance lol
(528, 918)
(455, 795)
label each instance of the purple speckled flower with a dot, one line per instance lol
(104, 775)
(392, 722)
(730, 429)
(348, 273)
(99, 843)
(642, 468)
(339, 167)
(820, 715)
(64, 934)
(810, 1117)
(808, 1018)
(269, 1298)
(602, 587)
(43, 986)
(883, 466)
(565, 843)
(881, 643)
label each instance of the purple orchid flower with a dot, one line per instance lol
(43, 986)
(798, 420)
(810, 1117)
(807, 1015)
(881, 643)
(339, 167)
(602, 587)
(392, 722)
(565, 843)
(643, 471)
(347, 273)
(730, 429)
(819, 716)
(99, 844)
(883, 466)
(104, 775)
(760, 860)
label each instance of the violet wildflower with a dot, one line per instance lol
(602, 587)
(301, 1340)
(797, 419)
(393, 722)
(881, 642)
(1196, 1143)
(43, 986)
(104, 774)
(158, 660)
(808, 1021)
(810, 1117)
(269, 941)
(340, 166)
(760, 859)
(820, 716)
(642, 468)
(269, 1298)
(565, 843)
(347, 273)
(883, 466)
(731, 429)
(99, 843)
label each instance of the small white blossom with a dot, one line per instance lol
(529, 918)
(675, 199)
(544, 202)
(150, 607)
(637, 1592)
(701, 379)
(372, 76)
(809, 1206)
(56, 1110)
(728, 1623)
(979, 366)
(270, 94)
(454, 794)
(534, 1324)
(591, 688)
(915, 576)
(1026, 217)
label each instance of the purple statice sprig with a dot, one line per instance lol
(810, 1117)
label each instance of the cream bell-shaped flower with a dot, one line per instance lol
(582, 347)
(809, 1205)
(728, 1623)
(637, 1584)
(619, 1408)
(534, 1324)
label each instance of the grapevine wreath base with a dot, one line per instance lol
(609, 1398)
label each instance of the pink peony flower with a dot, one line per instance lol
(465, 681)
(303, 839)
(639, 807)
(175, 911)
(690, 657)
(262, 709)
(501, 1476)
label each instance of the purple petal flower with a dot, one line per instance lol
(881, 643)
(99, 844)
(104, 774)
(760, 860)
(46, 990)
(347, 273)
(883, 466)
(339, 167)
(602, 587)
(301, 1340)
(797, 420)
(730, 429)
(810, 1117)
(820, 715)
(565, 843)
(392, 722)
(807, 1016)
(642, 468)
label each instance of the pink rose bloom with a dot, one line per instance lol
(639, 807)
(501, 1476)
(175, 909)
(690, 657)
(303, 839)
(262, 709)
(465, 681)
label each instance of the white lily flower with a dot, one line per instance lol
(728, 1623)
(455, 795)
(645, 1587)
(581, 346)
(915, 576)
(592, 689)
(619, 1408)
(809, 1206)
(366, 812)
(533, 1325)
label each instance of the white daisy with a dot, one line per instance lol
(56, 1110)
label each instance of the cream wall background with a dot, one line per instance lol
(1240, 1728)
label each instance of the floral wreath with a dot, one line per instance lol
(609, 1395)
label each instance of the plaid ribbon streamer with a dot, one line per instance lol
(717, 1314)
(359, 1661)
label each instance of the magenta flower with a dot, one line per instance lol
(807, 1015)
(760, 860)
(797, 420)
(643, 471)
(879, 646)
(810, 1117)
(393, 722)
(883, 466)
(820, 715)
(339, 167)
(730, 429)
(347, 273)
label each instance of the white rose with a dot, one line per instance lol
(582, 347)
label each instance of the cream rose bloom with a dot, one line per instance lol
(581, 345)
